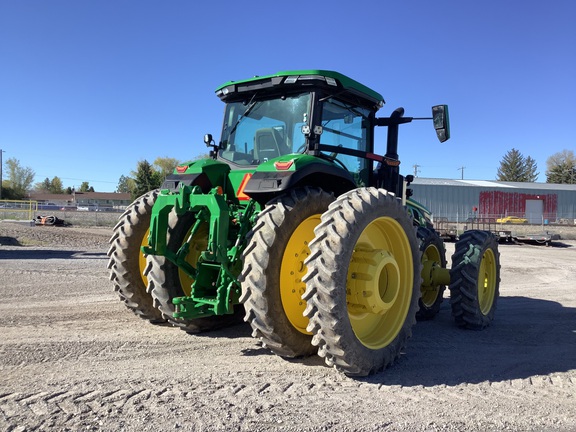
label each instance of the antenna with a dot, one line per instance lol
(416, 170)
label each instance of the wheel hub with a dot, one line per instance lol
(373, 282)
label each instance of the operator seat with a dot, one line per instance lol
(267, 144)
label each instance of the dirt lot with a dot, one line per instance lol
(73, 358)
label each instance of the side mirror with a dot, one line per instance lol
(441, 122)
(208, 140)
(211, 143)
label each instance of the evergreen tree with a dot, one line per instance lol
(147, 176)
(85, 187)
(50, 186)
(56, 186)
(515, 168)
(530, 174)
(43, 186)
(145, 179)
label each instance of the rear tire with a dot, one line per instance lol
(127, 263)
(272, 284)
(363, 281)
(475, 279)
(432, 251)
(166, 281)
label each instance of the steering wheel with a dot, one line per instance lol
(301, 148)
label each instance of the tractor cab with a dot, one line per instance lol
(318, 113)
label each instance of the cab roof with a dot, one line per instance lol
(322, 77)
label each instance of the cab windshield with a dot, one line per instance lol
(257, 131)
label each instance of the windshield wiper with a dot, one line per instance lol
(249, 109)
(350, 108)
(354, 111)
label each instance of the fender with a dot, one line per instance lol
(286, 172)
(205, 173)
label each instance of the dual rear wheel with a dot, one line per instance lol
(474, 278)
(334, 277)
(127, 262)
(363, 282)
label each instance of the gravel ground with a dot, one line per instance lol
(73, 358)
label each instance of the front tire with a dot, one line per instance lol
(363, 281)
(126, 260)
(272, 285)
(475, 279)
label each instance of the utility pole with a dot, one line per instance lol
(416, 170)
(462, 169)
(1, 151)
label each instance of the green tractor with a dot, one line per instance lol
(297, 225)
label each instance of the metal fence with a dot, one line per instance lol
(17, 209)
(30, 210)
(509, 218)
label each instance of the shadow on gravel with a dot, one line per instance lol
(529, 337)
(553, 244)
(237, 329)
(35, 254)
(9, 241)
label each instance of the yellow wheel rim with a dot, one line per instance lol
(198, 244)
(430, 257)
(142, 257)
(487, 281)
(379, 283)
(292, 271)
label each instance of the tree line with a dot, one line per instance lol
(147, 176)
(560, 168)
(20, 182)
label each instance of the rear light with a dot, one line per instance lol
(283, 166)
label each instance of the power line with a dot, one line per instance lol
(461, 169)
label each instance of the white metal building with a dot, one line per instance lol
(458, 200)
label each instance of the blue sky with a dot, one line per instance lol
(88, 88)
